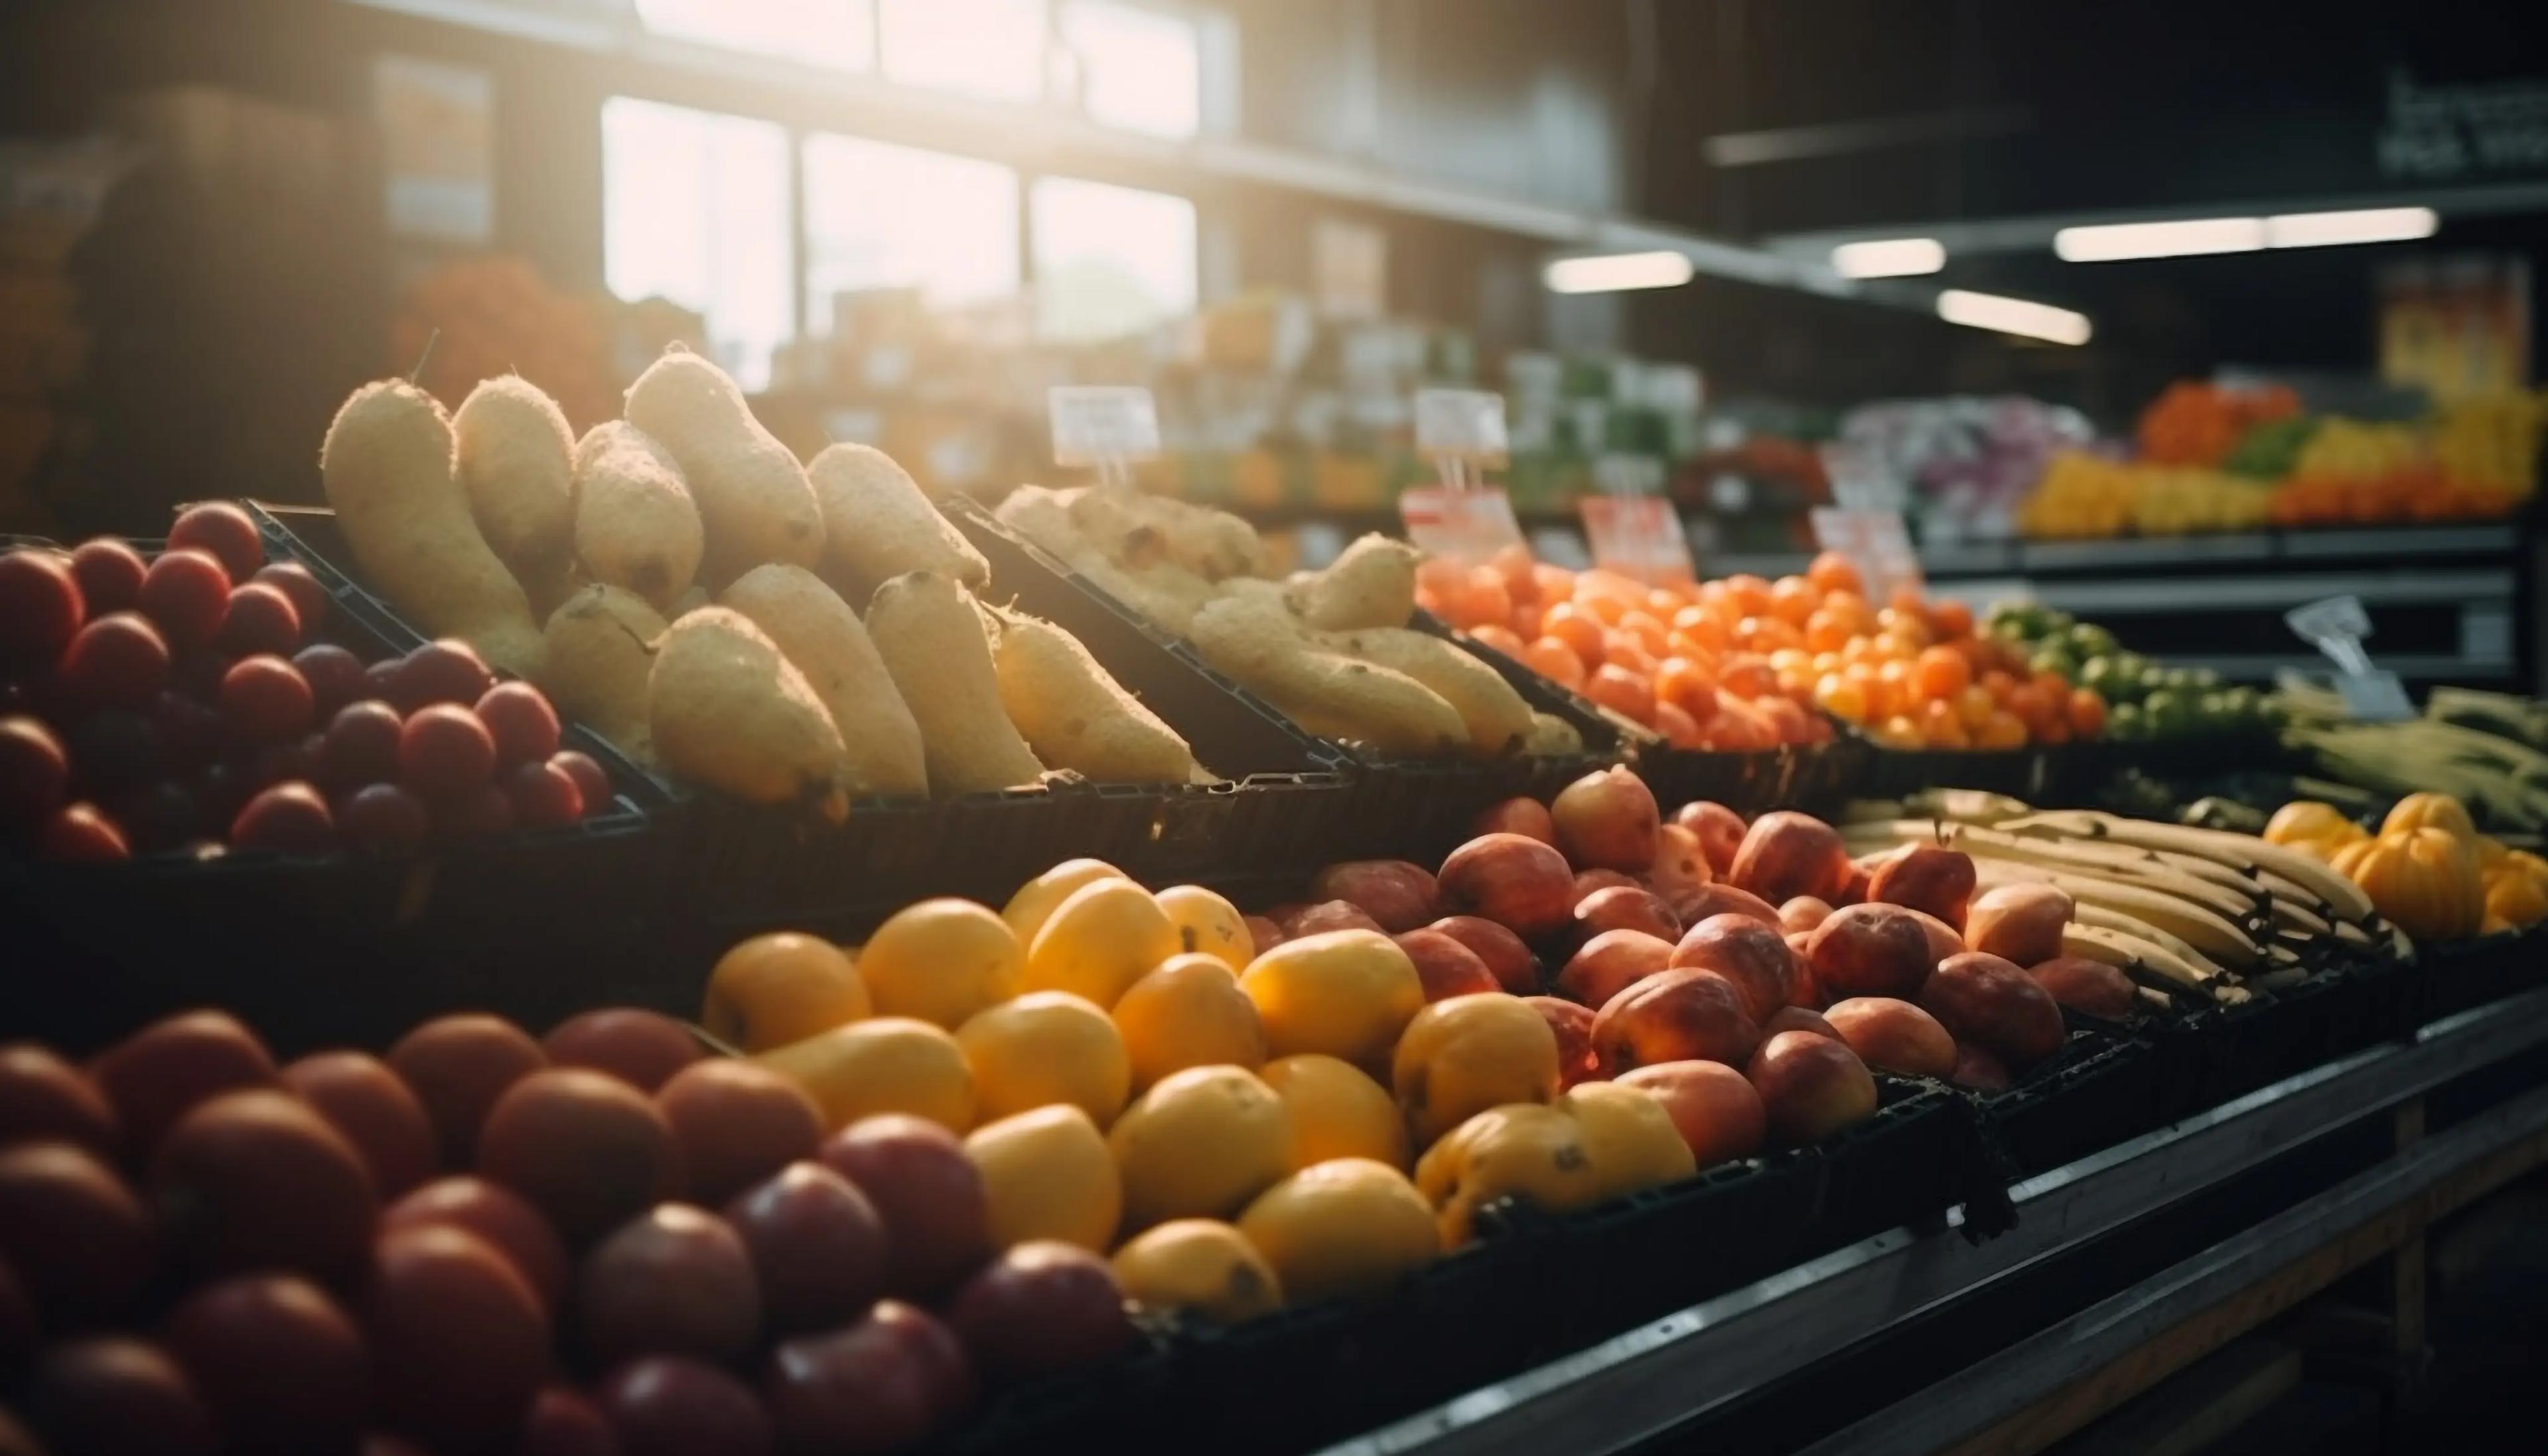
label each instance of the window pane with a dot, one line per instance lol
(992, 49)
(1110, 260)
(1138, 69)
(892, 217)
(833, 33)
(694, 208)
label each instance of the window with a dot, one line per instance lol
(835, 33)
(878, 216)
(991, 48)
(694, 209)
(1139, 69)
(1109, 260)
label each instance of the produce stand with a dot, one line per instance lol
(2122, 1267)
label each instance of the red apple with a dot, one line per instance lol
(1785, 854)
(2019, 923)
(1446, 967)
(676, 1280)
(1719, 830)
(1870, 949)
(1040, 1309)
(257, 1180)
(1610, 962)
(1926, 878)
(1517, 882)
(817, 1245)
(1751, 955)
(1523, 816)
(2090, 986)
(1397, 895)
(1677, 1016)
(1713, 1107)
(1895, 1035)
(498, 1216)
(1572, 1023)
(1811, 1087)
(1607, 820)
(1985, 1001)
(1513, 966)
(1626, 907)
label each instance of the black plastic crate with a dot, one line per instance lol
(2103, 1089)
(2462, 975)
(351, 947)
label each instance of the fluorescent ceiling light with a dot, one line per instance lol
(2013, 316)
(1888, 257)
(2115, 241)
(1615, 272)
(2366, 224)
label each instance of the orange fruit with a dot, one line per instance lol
(1527, 619)
(1202, 1142)
(1900, 731)
(1648, 629)
(1579, 629)
(1441, 576)
(1940, 725)
(1999, 683)
(1906, 600)
(1038, 899)
(2054, 687)
(885, 1063)
(1189, 1012)
(944, 960)
(1794, 599)
(1834, 571)
(1099, 941)
(1045, 1048)
(1481, 599)
(1939, 674)
(1770, 633)
(1678, 728)
(1625, 651)
(1554, 659)
(782, 987)
(1848, 608)
(1622, 691)
(1826, 633)
(1336, 1111)
(1974, 706)
(1556, 583)
(1950, 618)
(1749, 594)
(1747, 675)
(1789, 721)
(2027, 704)
(1739, 727)
(1664, 602)
(1842, 697)
(2001, 730)
(1606, 608)
(1429, 600)
(1687, 687)
(2087, 713)
(1827, 662)
(1502, 639)
(2056, 728)
(1514, 564)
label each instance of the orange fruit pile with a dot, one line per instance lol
(1740, 664)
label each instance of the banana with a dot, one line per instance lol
(2086, 860)
(2220, 940)
(1870, 811)
(2144, 959)
(2103, 917)
(2238, 850)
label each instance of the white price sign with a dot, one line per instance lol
(1467, 425)
(1639, 537)
(2336, 627)
(1099, 425)
(1462, 525)
(1877, 543)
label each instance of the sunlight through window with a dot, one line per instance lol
(840, 34)
(694, 209)
(1138, 69)
(991, 48)
(878, 216)
(1110, 260)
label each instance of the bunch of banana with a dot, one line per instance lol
(2202, 908)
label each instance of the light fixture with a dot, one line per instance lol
(2013, 316)
(1617, 272)
(2362, 225)
(1888, 257)
(2113, 242)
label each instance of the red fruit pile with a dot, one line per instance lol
(481, 1241)
(183, 702)
(1653, 945)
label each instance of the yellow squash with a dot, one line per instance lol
(2425, 879)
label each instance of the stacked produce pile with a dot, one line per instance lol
(1331, 649)
(181, 702)
(2175, 906)
(2486, 749)
(2427, 870)
(2223, 458)
(587, 567)
(2149, 701)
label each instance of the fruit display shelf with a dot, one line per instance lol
(1914, 1340)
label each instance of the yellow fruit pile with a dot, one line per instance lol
(2086, 497)
(1235, 1129)
(2427, 870)
(2490, 444)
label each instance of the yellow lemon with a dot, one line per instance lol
(1202, 1266)
(1210, 924)
(1632, 1140)
(1528, 1151)
(1038, 899)
(890, 1064)
(1200, 1144)
(1187, 1012)
(1343, 1227)
(1346, 993)
(1464, 1054)
(1047, 1174)
(1044, 1048)
(1100, 940)
(1336, 1112)
(783, 987)
(941, 960)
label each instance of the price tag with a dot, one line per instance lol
(1102, 424)
(1639, 537)
(1463, 526)
(2336, 627)
(1877, 543)
(1464, 424)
